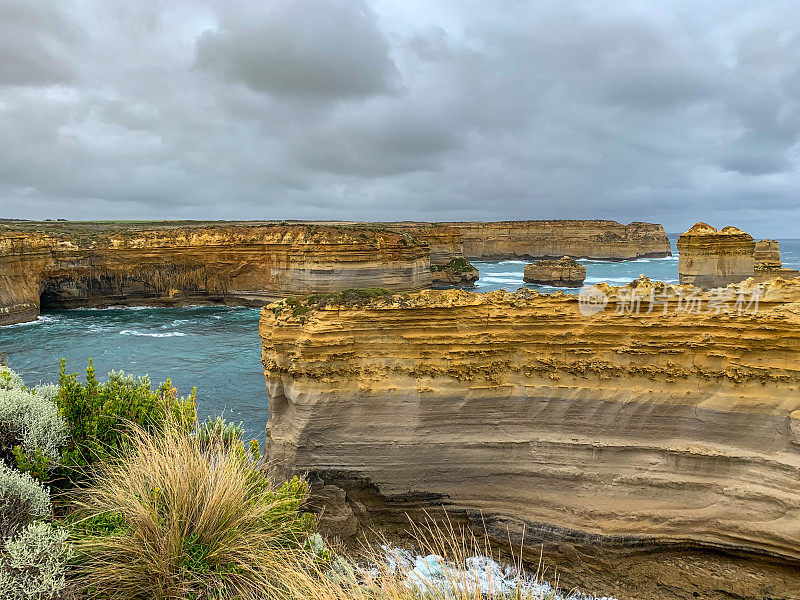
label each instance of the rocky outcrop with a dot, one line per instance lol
(458, 272)
(768, 263)
(608, 240)
(449, 268)
(710, 259)
(78, 265)
(564, 272)
(444, 243)
(648, 436)
(767, 253)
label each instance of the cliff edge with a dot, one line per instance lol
(647, 436)
(96, 265)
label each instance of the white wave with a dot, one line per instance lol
(654, 259)
(513, 262)
(40, 320)
(508, 274)
(156, 335)
(490, 279)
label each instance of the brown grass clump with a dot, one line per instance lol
(175, 519)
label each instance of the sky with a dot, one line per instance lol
(671, 111)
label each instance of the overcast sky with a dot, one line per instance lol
(663, 111)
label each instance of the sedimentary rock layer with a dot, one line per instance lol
(710, 259)
(233, 264)
(768, 265)
(654, 455)
(553, 239)
(564, 272)
(767, 253)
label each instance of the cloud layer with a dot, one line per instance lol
(670, 112)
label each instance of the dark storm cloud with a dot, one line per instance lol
(670, 112)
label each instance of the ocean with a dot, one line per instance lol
(217, 349)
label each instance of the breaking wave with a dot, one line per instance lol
(155, 335)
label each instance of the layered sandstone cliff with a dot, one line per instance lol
(610, 240)
(445, 244)
(767, 253)
(103, 266)
(653, 447)
(768, 265)
(710, 259)
(563, 272)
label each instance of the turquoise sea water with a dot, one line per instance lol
(218, 349)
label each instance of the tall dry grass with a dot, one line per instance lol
(178, 517)
(173, 518)
(460, 556)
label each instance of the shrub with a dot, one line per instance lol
(218, 429)
(34, 564)
(31, 431)
(22, 499)
(48, 391)
(9, 380)
(100, 415)
(176, 519)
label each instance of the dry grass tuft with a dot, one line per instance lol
(174, 519)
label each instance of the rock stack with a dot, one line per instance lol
(563, 272)
(712, 259)
(768, 265)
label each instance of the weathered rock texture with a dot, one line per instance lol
(553, 239)
(564, 272)
(653, 456)
(192, 264)
(448, 265)
(767, 253)
(768, 265)
(457, 272)
(710, 259)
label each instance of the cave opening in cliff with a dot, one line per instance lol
(62, 293)
(90, 291)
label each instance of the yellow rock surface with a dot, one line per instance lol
(652, 455)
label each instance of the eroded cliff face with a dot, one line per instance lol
(768, 264)
(654, 455)
(232, 264)
(711, 259)
(564, 272)
(501, 240)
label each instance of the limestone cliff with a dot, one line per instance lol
(768, 265)
(445, 244)
(553, 239)
(710, 259)
(564, 272)
(767, 253)
(75, 266)
(655, 452)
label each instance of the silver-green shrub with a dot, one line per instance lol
(22, 499)
(31, 420)
(9, 380)
(34, 564)
(48, 391)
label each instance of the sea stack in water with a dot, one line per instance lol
(563, 272)
(712, 259)
(768, 265)
(458, 272)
